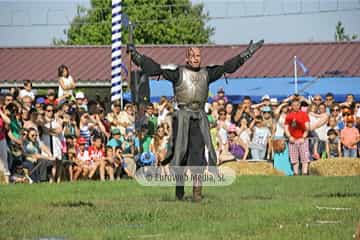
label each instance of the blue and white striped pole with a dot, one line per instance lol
(116, 81)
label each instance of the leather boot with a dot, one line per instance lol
(179, 192)
(197, 193)
(197, 185)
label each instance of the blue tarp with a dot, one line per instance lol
(280, 88)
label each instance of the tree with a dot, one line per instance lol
(157, 22)
(340, 35)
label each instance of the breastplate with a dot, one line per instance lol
(193, 88)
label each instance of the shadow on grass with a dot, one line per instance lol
(337, 195)
(72, 204)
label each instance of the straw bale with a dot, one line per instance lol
(253, 168)
(336, 167)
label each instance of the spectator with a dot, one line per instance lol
(317, 99)
(350, 138)
(280, 114)
(159, 146)
(318, 127)
(116, 140)
(40, 105)
(349, 102)
(333, 144)
(4, 167)
(329, 102)
(238, 148)
(229, 108)
(244, 131)
(51, 98)
(27, 102)
(296, 129)
(37, 158)
(81, 101)
(66, 82)
(27, 91)
(151, 121)
(220, 96)
(260, 139)
(83, 160)
(97, 154)
(268, 120)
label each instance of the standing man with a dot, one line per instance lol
(297, 124)
(191, 86)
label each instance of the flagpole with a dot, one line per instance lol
(116, 79)
(295, 76)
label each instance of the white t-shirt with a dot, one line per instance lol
(280, 131)
(260, 137)
(24, 93)
(47, 139)
(67, 82)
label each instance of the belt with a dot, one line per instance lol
(194, 106)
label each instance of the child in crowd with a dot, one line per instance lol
(350, 137)
(96, 154)
(333, 144)
(83, 160)
(260, 139)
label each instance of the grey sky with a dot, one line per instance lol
(24, 23)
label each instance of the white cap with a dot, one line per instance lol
(80, 95)
(265, 97)
(274, 101)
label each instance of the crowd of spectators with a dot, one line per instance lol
(69, 137)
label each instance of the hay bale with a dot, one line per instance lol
(2, 178)
(336, 167)
(253, 168)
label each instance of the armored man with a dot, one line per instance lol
(190, 124)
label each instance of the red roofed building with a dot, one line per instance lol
(91, 65)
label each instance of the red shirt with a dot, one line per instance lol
(296, 122)
(95, 153)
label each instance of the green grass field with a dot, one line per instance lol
(251, 208)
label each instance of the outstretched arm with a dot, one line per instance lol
(152, 68)
(231, 65)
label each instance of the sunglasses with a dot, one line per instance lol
(49, 110)
(346, 114)
(33, 135)
(336, 110)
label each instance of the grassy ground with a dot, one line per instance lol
(251, 208)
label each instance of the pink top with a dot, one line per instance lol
(349, 137)
(2, 129)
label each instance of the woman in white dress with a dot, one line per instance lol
(66, 82)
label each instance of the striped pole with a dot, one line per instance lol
(116, 83)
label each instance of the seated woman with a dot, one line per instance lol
(128, 150)
(235, 145)
(121, 168)
(37, 158)
(111, 162)
(158, 146)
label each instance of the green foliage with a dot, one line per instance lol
(157, 22)
(341, 36)
(253, 208)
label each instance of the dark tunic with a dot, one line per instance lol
(190, 124)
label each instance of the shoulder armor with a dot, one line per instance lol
(169, 67)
